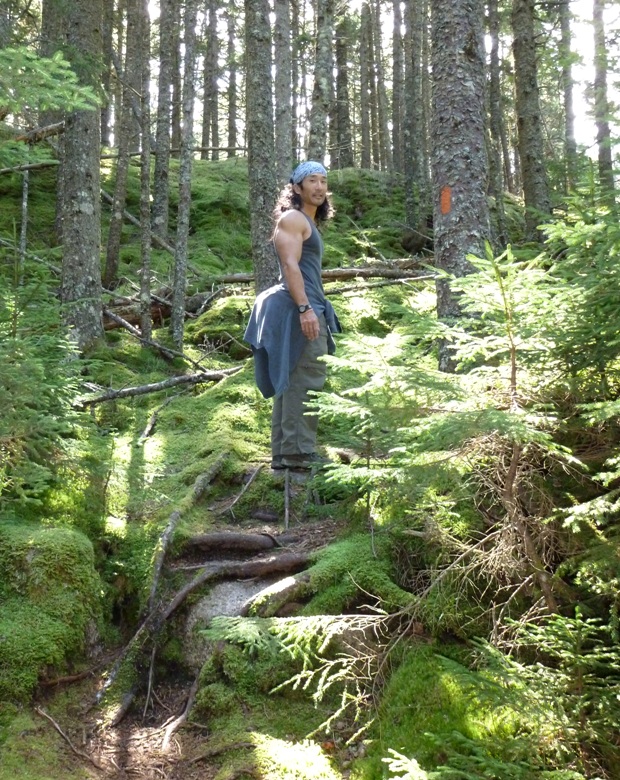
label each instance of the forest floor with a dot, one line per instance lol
(144, 745)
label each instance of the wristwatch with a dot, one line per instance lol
(303, 307)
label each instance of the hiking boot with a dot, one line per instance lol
(304, 461)
(276, 462)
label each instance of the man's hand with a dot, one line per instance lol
(310, 325)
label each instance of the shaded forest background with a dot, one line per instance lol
(448, 606)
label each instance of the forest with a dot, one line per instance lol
(440, 599)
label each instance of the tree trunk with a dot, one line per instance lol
(296, 83)
(131, 78)
(283, 92)
(232, 79)
(383, 133)
(529, 118)
(161, 184)
(413, 128)
(342, 152)
(323, 68)
(459, 163)
(177, 318)
(261, 152)
(398, 88)
(106, 80)
(81, 273)
(570, 145)
(145, 169)
(496, 178)
(177, 91)
(210, 134)
(365, 91)
(601, 104)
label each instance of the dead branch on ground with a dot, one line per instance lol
(175, 381)
(77, 752)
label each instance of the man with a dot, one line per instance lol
(291, 324)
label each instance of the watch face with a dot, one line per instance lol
(304, 307)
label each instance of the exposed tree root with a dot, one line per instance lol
(269, 601)
(238, 542)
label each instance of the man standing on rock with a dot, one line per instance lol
(291, 324)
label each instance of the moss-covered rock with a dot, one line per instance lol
(50, 603)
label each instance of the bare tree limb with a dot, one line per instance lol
(175, 381)
(77, 752)
(165, 351)
(361, 272)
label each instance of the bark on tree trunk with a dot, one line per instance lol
(461, 216)
(570, 144)
(529, 118)
(601, 104)
(210, 134)
(496, 178)
(261, 152)
(177, 318)
(383, 133)
(130, 77)
(413, 128)
(81, 271)
(342, 154)
(106, 81)
(145, 171)
(232, 79)
(398, 87)
(323, 67)
(365, 93)
(283, 93)
(162, 134)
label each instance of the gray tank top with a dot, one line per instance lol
(310, 267)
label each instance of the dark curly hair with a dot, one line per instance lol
(289, 199)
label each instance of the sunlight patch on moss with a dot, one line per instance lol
(281, 759)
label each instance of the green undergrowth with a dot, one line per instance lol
(429, 705)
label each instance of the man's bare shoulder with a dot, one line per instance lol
(293, 221)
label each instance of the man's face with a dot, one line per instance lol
(313, 189)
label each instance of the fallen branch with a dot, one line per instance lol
(51, 266)
(41, 133)
(175, 381)
(31, 166)
(361, 272)
(167, 352)
(373, 285)
(203, 481)
(162, 243)
(253, 476)
(150, 426)
(77, 752)
(162, 549)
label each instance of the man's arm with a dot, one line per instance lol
(290, 234)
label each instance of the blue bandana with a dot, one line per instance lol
(306, 169)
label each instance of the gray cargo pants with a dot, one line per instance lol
(292, 431)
